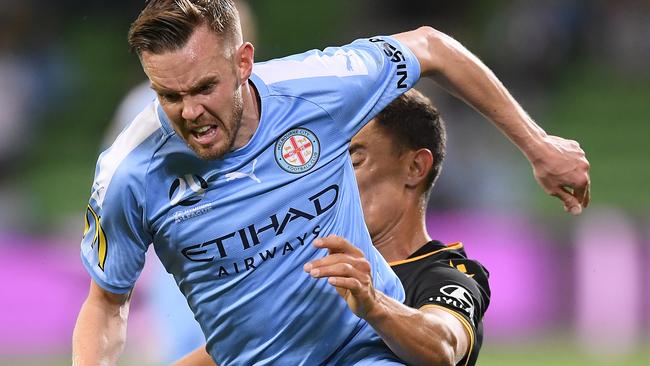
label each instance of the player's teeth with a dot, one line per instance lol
(202, 129)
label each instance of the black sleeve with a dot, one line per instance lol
(467, 293)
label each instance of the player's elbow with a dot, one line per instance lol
(430, 33)
(439, 355)
(444, 347)
(440, 48)
(444, 356)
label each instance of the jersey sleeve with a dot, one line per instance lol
(115, 239)
(352, 83)
(465, 294)
(462, 289)
(388, 69)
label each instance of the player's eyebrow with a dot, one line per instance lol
(202, 83)
(193, 89)
(160, 90)
(354, 147)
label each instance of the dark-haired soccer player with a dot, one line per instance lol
(235, 172)
(397, 157)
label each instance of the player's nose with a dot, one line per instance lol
(191, 109)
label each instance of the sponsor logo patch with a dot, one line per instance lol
(240, 175)
(187, 190)
(458, 297)
(297, 151)
(397, 57)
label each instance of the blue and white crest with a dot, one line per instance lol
(297, 151)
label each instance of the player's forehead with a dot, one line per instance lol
(203, 54)
(372, 135)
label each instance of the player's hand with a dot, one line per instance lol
(561, 168)
(345, 268)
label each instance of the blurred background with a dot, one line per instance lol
(565, 290)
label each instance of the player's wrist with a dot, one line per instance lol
(378, 310)
(536, 147)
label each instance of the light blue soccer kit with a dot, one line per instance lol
(236, 232)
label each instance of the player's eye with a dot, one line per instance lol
(206, 89)
(357, 158)
(170, 98)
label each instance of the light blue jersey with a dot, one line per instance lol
(236, 232)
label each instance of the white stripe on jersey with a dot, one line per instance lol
(342, 63)
(143, 126)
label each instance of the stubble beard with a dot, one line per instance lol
(230, 131)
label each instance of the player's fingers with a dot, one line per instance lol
(345, 283)
(338, 270)
(579, 193)
(584, 195)
(336, 244)
(571, 203)
(333, 259)
(587, 198)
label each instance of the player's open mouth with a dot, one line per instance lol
(204, 134)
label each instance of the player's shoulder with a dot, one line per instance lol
(452, 268)
(456, 262)
(125, 163)
(440, 274)
(290, 73)
(439, 261)
(469, 273)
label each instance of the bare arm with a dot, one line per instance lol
(559, 165)
(427, 336)
(100, 332)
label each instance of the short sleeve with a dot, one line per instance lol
(115, 240)
(392, 69)
(450, 288)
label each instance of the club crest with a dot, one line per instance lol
(297, 151)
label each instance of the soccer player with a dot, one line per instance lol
(397, 158)
(177, 332)
(234, 173)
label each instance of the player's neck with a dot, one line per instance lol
(251, 112)
(403, 238)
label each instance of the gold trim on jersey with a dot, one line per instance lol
(461, 267)
(463, 321)
(452, 246)
(86, 223)
(99, 237)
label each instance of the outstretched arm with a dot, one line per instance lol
(427, 336)
(100, 332)
(559, 165)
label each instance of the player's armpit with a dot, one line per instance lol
(461, 334)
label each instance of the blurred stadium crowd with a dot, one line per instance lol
(565, 290)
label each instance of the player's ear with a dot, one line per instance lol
(245, 58)
(420, 163)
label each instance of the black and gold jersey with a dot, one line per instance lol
(439, 275)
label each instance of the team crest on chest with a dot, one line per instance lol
(297, 151)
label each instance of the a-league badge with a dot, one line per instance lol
(297, 151)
